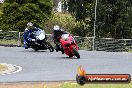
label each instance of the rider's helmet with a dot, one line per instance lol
(56, 27)
(29, 25)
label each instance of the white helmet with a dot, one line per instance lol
(56, 27)
(30, 24)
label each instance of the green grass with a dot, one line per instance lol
(13, 42)
(130, 50)
(75, 85)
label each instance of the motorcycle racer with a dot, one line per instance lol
(27, 34)
(57, 32)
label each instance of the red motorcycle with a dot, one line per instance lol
(69, 45)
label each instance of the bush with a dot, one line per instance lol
(65, 21)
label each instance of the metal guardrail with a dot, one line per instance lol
(9, 38)
(15, 38)
(113, 45)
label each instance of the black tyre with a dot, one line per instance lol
(50, 47)
(70, 56)
(76, 53)
(36, 49)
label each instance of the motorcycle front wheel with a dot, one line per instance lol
(50, 47)
(76, 53)
(36, 49)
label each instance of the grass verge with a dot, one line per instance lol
(74, 85)
(130, 51)
(64, 85)
(12, 41)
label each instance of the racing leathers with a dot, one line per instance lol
(56, 37)
(28, 36)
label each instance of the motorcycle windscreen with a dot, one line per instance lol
(65, 37)
(41, 36)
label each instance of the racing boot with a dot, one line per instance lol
(25, 45)
(56, 48)
(62, 51)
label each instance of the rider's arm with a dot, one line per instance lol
(25, 35)
(54, 34)
(65, 32)
(37, 29)
(29, 35)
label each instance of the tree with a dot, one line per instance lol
(83, 11)
(0, 8)
(55, 4)
(16, 13)
(64, 5)
(113, 17)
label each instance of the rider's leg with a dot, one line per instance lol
(25, 44)
(57, 45)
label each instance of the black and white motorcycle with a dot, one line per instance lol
(39, 41)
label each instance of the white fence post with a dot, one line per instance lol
(19, 39)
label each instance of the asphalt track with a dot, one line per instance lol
(47, 66)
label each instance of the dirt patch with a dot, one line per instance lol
(30, 85)
(3, 68)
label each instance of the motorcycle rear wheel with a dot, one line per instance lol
(76, 53)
